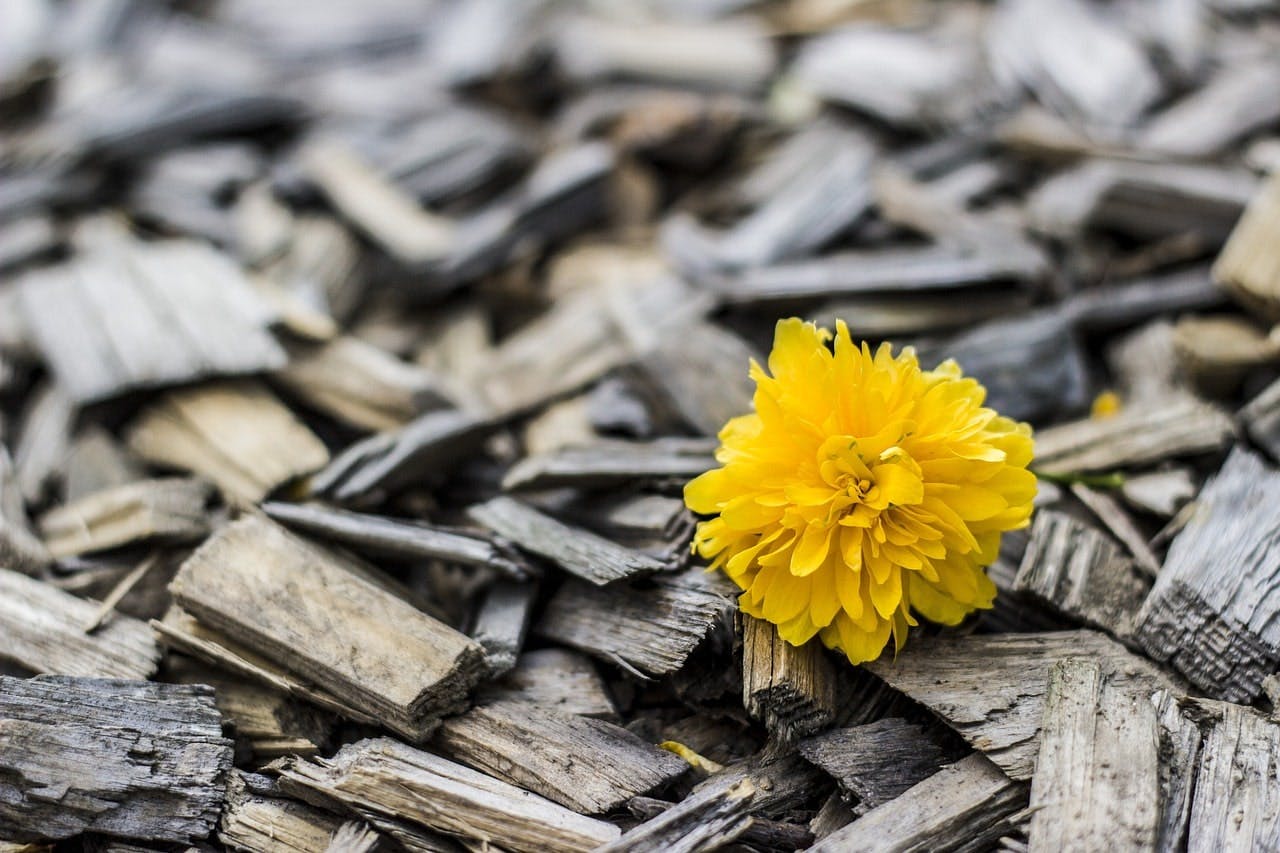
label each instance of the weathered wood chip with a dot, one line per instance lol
(1261, 420)
(589, 765)
(991, 688)
(968, 805)
(1162, 493)
(651, 627)
(142, 315)
(43, 631)
(501, 623)
(389, 778)
(237, 434)
(1078, 571)
(123, 758)
(613, 463)
(306, 609)
(876, 762)
(96, 461)
(1117, 521)
(39, 456)
(1212, 613)
(1249, 264)
(173, 509)
(20, 549)
(556, 678)
(1233, 103)
(579, 552)
(791, 690)
(1097, 776)
(254, 822)
(702, 372)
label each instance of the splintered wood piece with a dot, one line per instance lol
(1080, 572)
(1250, 262)
(579, 552)
(991, 688)
(173, 509)
(968, 805)
(1180, 739)
(389, 778)
(722, 807)
(589, 765)
(133, 315)
(703, 372)
(237, 434)
(1112, 515)
(379, 208)
(43, 631)
(876, 762)
(1261, 419)
(1236, 804)
(394, 537)
(1212, 613)
(40, 455)
(791, 690)
(1135, 437)
(1097, 776)
(652, 629)
(354, 836)
(129, 759)
(361, 385)
(420, 451)
(254, 822)
(612, 463)
(556, 678)
(306, 609)
(119, 591)
(760, 833)
(268, 722)
(20, 549)
(502, 622)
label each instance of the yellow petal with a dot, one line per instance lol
(811, 550)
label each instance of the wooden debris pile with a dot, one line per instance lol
(353, 357)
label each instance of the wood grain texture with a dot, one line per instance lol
(235, 433)
(991, 688)
(43, 631)
(1236, 805)
(172, 509)
(1080, 572)
(302, 607)
(579, 552)
(501, 623)
(1212, 613)
(1096, 785)
(256, 822)
(556, 678)
(792, 690)
(611, 463)
(392, 779)
(588, 765)
(651, 629)
(964, 806)
(123, 758)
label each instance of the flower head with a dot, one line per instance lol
(861, 490)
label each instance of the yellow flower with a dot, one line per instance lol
(862, 489)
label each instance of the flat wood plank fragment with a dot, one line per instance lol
(579, 552)
(44, 437)
(720, 809)
(304, 608)
(20, 549)
(501, 623)
(876, 762)
(1097, 776)
(392, 779)
(254, 822)
(1236, 805)
(702, 371)
(968, 805)
(1250, 262)
(360, 384)
(791, 690)
(129, 759)
(235, 433)
(394, 537)
(652, 629)
(1135, 437)
(172, 509)
(1078, 571)
(588, 765)
(43, 631)
(1117, 521)
(1212, 613)
(991, 688)
(612, 463)
(555, 678)
(133, 315)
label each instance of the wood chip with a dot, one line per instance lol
(501, 623)
(236, 434)
(1261, 420)
(791, 690)
(44, 632)
(1211, 613)
(610, 463)
(1250, 264)
(579, 552)
(122, 758)
(1096, 782)
(304, 608)
(393, 779)
(173, 509)
(20, 549)
(556, 678)
(588, 765)
(257, 823)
